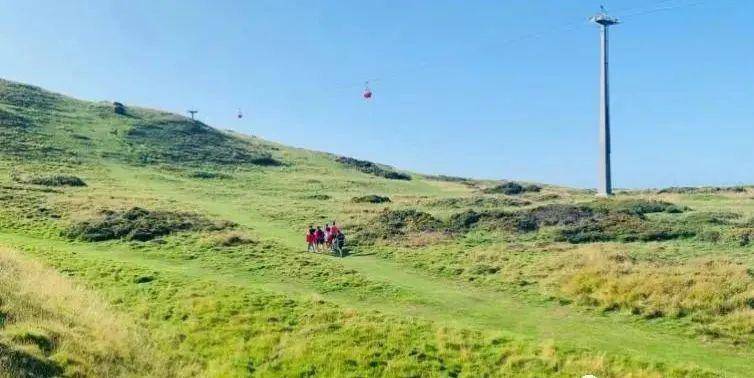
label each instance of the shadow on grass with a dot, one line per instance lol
(22, 364)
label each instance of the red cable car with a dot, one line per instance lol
(367, 92)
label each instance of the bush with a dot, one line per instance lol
(119, 108)
(477, 202)
(560, 214)
(318, 197)
(372, 168)
(622, 227)
(715, 218)
(229, 239)
(372, 198)
(512, 188)
(208, 175)
(391, 223)
(703, 189)
(51, 180)
(140, 225)
(447, 178)
(522, 220)
(579, 223)
(712, 236)
(637, 206)
(512, 221)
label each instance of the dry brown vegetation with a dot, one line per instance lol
(51, 327)
(716, 294)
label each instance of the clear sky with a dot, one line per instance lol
(488, 89)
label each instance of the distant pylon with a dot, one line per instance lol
(605, 185)
(192, 112)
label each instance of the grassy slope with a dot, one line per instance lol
(269, 309)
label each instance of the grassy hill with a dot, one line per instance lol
(138, 242)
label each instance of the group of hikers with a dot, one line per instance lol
(329, 238)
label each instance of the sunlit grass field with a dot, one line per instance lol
(451, 277)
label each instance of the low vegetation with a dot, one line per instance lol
(51, 327)
(140, 225)
(393, 224)
(477, 202)
(703, 189)
(371, 198)
(50, 180)
(372, 168)
(513, 188)
(164, 138)
(209, 175)
(717, 295)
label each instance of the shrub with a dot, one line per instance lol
(637, 206)
(743, 236)
(703, 189)
(119, 108)
(712, 236)
(622, 227)
(318, 197)
(560, 214)
(493, 219)
(208, 175)
(447, 178)
(715, 218)
(371, 198)
(391, 223)
(140, 225)
(229, 239)
(476, 202)
(52, 180)
(512, 188)
(372, 168)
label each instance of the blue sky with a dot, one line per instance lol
(457, 89)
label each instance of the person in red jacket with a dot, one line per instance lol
(311, 239)
(320, 238)
(334, 229)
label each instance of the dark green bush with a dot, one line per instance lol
(493, 219)
(623, 227)
(636, 206)
(716, 218)
(371, 198)
(446, 178)
(390, 224)
(703, 189)
(208, 175)
(476, 202)
(318, 197)
(51, 180)
(372, 168)
(512, 188)
(140, 225)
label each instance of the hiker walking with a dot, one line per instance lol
(338, 243)
(328, 236)
(311, 239)
(320, 238)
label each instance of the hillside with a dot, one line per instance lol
(187, 244)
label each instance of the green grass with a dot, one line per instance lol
(417, 300)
